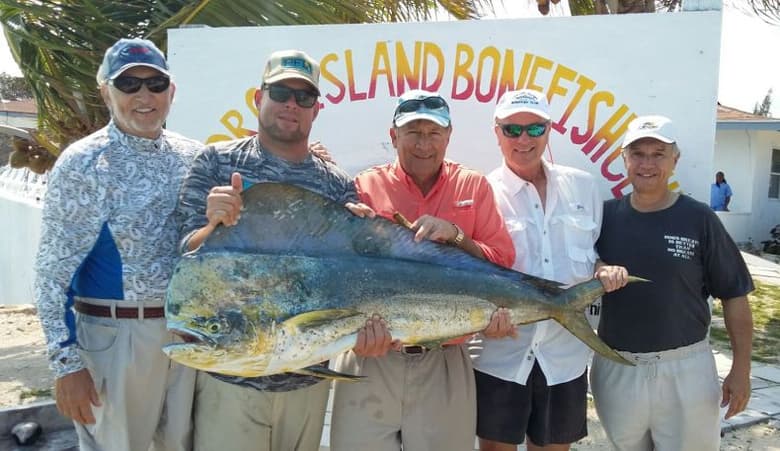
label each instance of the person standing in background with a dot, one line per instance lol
(720, 193)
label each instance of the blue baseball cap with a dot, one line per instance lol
(127, 53)
(419, 104)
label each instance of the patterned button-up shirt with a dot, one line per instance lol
(108, 229)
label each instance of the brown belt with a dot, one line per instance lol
(414, 349)
(121, 312)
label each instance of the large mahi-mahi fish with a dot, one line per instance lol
(293, 282)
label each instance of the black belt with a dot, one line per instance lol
(414, 350)
(104, 311)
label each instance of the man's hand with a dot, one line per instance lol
(320, 151)
(374, 339)
(75, 394)
(611, 277)
(434, 229)
(500, 325)
(736, 392)
(360, 210)
(223, 204)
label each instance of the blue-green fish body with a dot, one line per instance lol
(292, 284)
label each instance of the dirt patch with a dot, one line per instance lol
(25, 377)
(24, 373)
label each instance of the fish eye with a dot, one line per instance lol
(213, 326)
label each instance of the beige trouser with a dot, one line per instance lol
(230, 417)
(146, 399)
(669, 401)
(423, 402)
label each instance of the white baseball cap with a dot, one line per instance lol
(657, 127)
(522, 101)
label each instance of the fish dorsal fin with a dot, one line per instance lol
(317, 318)
(278, 218)
(287, 219)
(549, 287)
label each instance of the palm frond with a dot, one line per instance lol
(59, 44)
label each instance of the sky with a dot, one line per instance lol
(749, 66)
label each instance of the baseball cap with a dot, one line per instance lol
(127, 53)
(419, 104)
(658, 127)
(287, 64)
(522, 101)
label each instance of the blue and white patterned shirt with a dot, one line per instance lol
(108, 229)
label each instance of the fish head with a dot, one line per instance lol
(228, 339)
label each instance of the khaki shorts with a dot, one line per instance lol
(669, 401)
(423, 402)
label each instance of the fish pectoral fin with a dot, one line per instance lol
(317, 318)
(327, 373)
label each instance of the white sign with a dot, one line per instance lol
(597, 71)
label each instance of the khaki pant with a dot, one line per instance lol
(669, 401)
(146, 398)
(230, 417)
(423, 402)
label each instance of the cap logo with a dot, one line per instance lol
(524, 98)
(138, 50)
(297, 64)
(647, 125)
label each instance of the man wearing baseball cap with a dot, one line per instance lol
(107, 251)
(413, 397)
(284, 411)
(670, 399)
(533, 384)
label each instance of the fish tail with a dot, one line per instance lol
(570, 313)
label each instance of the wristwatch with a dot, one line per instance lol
(458, 240)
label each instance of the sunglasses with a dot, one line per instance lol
(430, 103)
(280, 93)
(131, 85)
(516, 130)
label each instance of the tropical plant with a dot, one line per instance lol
(772, 246)
(769, 10)
(13, 88)
(765, 107)
(59, 44)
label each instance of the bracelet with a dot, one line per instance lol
(459, 236)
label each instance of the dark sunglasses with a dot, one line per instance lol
(280, 93)
(131, 85)
(516, 130)
(430, 103)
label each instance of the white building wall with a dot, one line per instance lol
(745, 158)
(20, 201)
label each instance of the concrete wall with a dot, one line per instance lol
(20, 223)
(745, 158)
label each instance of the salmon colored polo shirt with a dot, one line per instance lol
(460, 196)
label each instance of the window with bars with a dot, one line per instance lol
(774, 175)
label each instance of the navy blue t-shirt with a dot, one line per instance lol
(686, 253)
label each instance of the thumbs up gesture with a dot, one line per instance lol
(223, 204)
